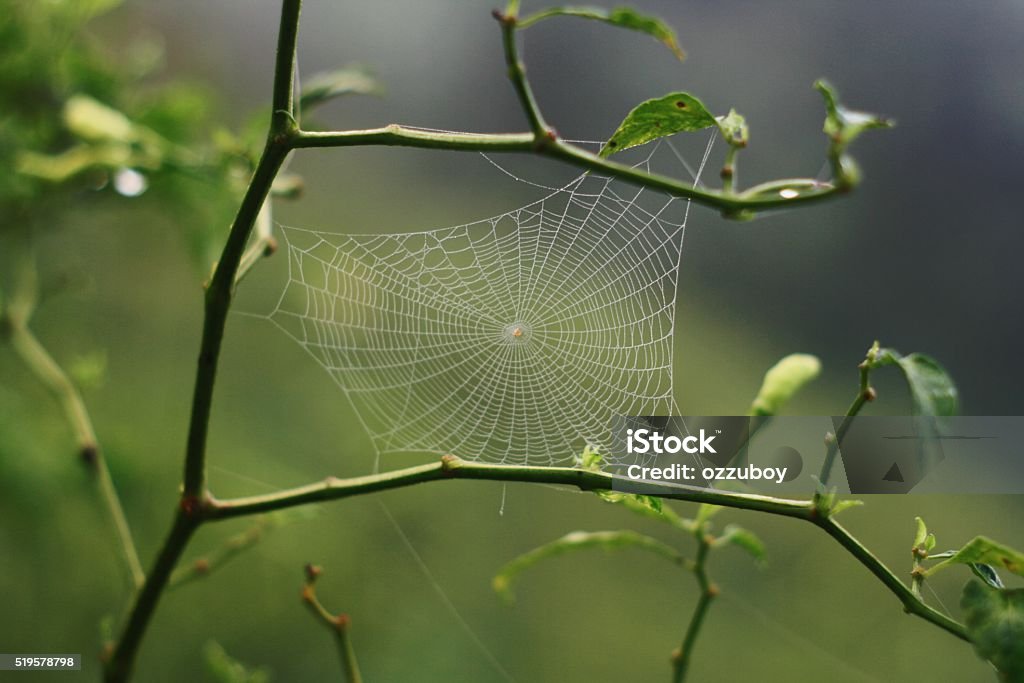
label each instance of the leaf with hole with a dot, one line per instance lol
(676, 112)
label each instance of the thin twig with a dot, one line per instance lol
(204, 566)
(339, 626)
(15, 323)
(264, 244)
(865, 394)
(682, 657)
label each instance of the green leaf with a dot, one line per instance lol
(647, 506)
(503, 582)
(89, 370)
(623, 17)
(985, 551)
(843, 125)
(988, 574)
(995, 624)
(674, 113)
(705, 512)
(783, 380)
(931, 387)
(590, 459)
(922, 533)
(96, 122)
(326, 86)
(734, 129)
(223, 668)
(742, 538)
(842, 505)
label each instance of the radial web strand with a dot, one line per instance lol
(515, 339)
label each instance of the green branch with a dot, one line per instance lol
(118, 667)
(339, 626)
(403, 136)
(865, 394)
(220, 290)
(217, 558)
(451, 468)
(217, 303)
(15, 324)
(708, 591)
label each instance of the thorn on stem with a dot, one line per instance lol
(870, 394)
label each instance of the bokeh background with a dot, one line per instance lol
(925, 257)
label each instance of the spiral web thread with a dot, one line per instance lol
(514, 339)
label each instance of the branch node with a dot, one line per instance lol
(449, 463)
(870, 394)
(191, 506)
(504, 19)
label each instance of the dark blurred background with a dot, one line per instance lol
(924, 256)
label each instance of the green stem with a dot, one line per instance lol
(403, 136)
(263, 244)
(517, 74)
(911, 602)
(729, 170)
(218, 301)
(38, 360)
(119, 667)
(204, 566)
(865, 394)
(339, 625)
(682, 658)
(220, 290)
(451, 467)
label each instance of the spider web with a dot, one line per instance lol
(514, 339)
